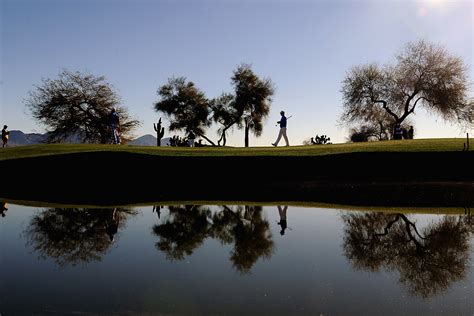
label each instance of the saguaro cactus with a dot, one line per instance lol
(160, 132)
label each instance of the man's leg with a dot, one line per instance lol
(116, 139)
(279, 137)
(285, 137)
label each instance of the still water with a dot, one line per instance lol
(218, 259)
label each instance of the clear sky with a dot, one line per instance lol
(305, 47)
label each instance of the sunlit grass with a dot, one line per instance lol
(416, 145)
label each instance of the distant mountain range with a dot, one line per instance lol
(148, 140)
(18, 138)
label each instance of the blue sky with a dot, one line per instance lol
(305, 47)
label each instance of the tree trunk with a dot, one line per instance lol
(247, 128)
(210, 141)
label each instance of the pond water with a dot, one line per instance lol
(218, 259)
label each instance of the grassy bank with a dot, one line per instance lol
(416, 145)
(423, 173)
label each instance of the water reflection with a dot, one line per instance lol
(3, 209)
(244, 227)
(311, 269)
(282, 222)
(75, 235)
(428, 260)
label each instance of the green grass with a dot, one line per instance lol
(416, 145)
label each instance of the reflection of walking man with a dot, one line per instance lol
(112, 224)
(282, 222)
(282, 132)
(3, 208)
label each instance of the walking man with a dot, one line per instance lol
(191, 138)
(397, 131)
(282, 132)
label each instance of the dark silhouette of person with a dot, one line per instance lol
(112, 225)
(3, 208)
(191, 138)
(5, 136)
(282, 132)
(397, 131)
(282, 222)
(410, 132)
(405, 133)
(114, 123)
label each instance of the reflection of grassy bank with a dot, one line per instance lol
(355, 194)
(416, 145)
(387, 209)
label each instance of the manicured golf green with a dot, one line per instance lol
(416, 145)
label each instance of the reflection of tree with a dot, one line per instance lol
(72, 236)
(428, 261)
(188, 226)
(184, 231)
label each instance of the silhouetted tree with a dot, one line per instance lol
(186, 107)
(77, 104)
(425, 75)
(224, 113)
(72, 236)
(428, 261)
(252, 99)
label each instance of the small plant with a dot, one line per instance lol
(177, 141)
(320, 140)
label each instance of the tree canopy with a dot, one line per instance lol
(225, 114)
(188, 226)
(425, 75)
(185, 105)
(253, 97)
(188, 108)
(78, 105)
(429, 260)
(72, 236)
